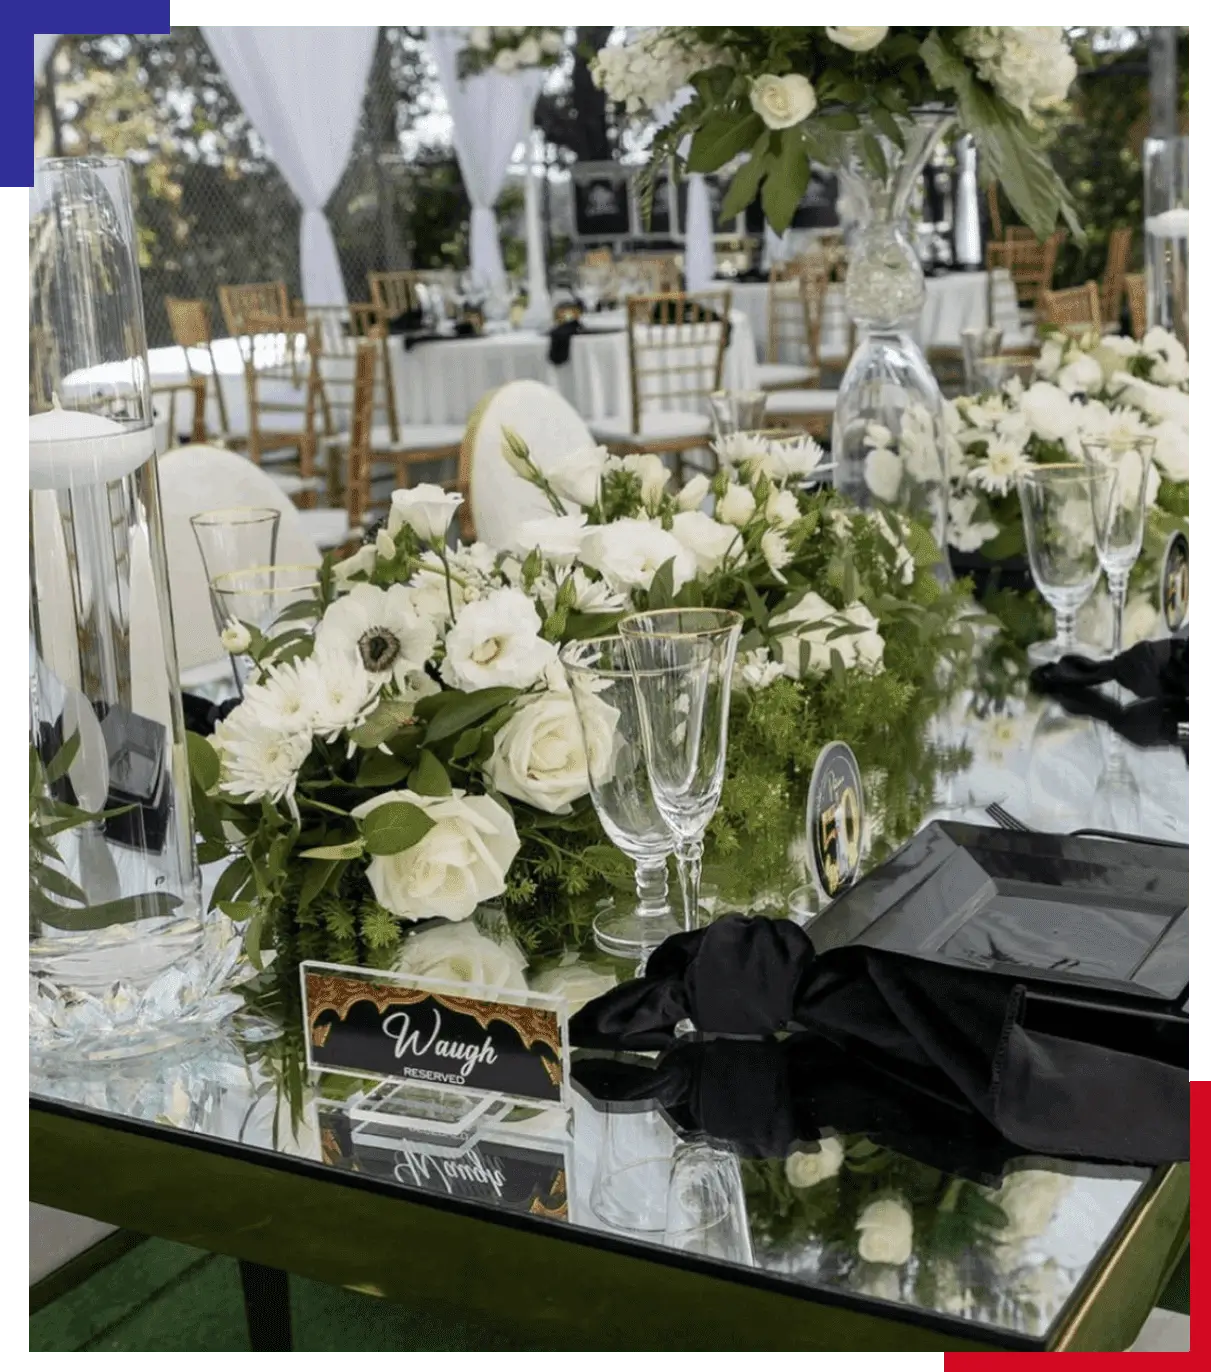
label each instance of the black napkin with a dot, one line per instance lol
(559, 349)
(409, 322)
(201, 715)
(1076, 1087)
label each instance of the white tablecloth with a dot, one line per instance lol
(953, 303)
(167, 365)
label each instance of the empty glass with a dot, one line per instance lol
(1119, 508)
(1057, 515)
(977, 344)
(705, 1211)
(281, 598)
(682, 661)
(606, 703)
(736, 412)
(630, 1189)
(995, 373)
(231, 540)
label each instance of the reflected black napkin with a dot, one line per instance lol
(1082, 1087)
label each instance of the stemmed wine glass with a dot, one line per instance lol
(1057, 501)
(681, 662)
(267, 598)
(603, 690)
(230, 540)
(1118, 513)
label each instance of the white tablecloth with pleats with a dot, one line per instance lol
(953, 303)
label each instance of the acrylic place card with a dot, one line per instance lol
(475, 1040)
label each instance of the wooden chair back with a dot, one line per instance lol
(675, 344)
(189, 323)
(342, 330)
(366, 365)
(290, 362)
(1030, 263)
(395, 294)
(1077, 310)
(794, 311)
(258, 301)
(1137, 302)
(1118, 256)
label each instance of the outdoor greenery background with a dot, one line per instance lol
(213, 208)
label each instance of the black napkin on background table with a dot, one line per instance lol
(559, 349)
(202, 715)
(411, 321)
(966, 1037)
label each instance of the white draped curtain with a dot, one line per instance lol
(699, 235)
(302, 88)
(492, 113)
(44, 45)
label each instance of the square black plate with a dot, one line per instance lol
(1082, 912)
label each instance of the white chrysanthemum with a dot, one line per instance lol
(496, 642)
(383, 629)
(343, 694)
(594, 597)
(782, 509)
(997, 471)
(284, 697)
(258, 761)
(776, 551)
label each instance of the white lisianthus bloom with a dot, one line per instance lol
(576, 982)
(776, 551)
(256, 760)
(708, 541)
(528, 52)
(384, 545)
(883, 471)
(557, 537)
(693, 493)
(506, 61)
(384, 629)
(462, 953)
(783, 101)
(1113, 354)
(576, 476)
(235, 637)
(594, 597)
(885, 1231)
(460, 863)
(1051, 358)
(1080, 376)
(426, 509)
(543, 753)
(1172, 451)
(737, 507)
(343, 696)
(1028, 1199)
(782, 509)
(496, 641)
(629, 553)
(755, 670)
(652, 473)
(806, 1169)
(963, 530)
(360, 563)
(1049, 412)
(858, 40)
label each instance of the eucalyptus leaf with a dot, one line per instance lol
(392, 828)
(150, 905)
(429, 777)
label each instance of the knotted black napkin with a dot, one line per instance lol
(1089, 1083)
(202, 715)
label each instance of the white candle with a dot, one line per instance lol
(78, 448)
(1170, 224)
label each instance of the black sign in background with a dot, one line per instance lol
(603, 207)
(348, 1030)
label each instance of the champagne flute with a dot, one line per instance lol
(231, 539)
(1119, 508)
(607, 706)
(263, 598)
(1057, 515)
(681, 662)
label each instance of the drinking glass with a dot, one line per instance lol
(606, 702)
(1119, 508)
(630, 1189)
(231, 540)
(263, 598)
(994, 373)
(1057, 515)
(705, 1211)
(681, 662)
(737, 411)
(977, 344)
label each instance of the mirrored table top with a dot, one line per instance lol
(1000, 1256)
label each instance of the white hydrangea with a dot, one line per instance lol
(1029, 68)
(650, 70)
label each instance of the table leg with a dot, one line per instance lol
(266, 1307)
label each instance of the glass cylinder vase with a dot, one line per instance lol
(1167, 234)
(888, 436)
(122, 957)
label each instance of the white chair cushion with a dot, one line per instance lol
(291, 484)
(501, 500)
(656, 425)
(783, 374)
(329, 528)
(801, 402)
(197, 478)
(416, 437)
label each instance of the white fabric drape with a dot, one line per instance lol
(777, 246)
(303, 88)
(699, 235)
(44, 45)
(492, 113)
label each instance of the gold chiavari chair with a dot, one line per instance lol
(1118, 255)
(189, 322)
(598, 257)
(396, 294)
(341, 327)
(1137, 302)
(43, 368)
(1030, 263)
(1076, 310)
(264, 299)
(793, 313)
(675, 348)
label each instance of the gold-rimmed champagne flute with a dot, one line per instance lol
(1119, 510)
(275, 601)
(231, 539)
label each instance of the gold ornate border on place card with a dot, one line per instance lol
(340, 992)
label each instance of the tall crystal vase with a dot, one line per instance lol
(1167, 233)
(888, 438)
(122, 960)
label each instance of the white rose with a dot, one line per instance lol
(1173, 450)
(506, 61)
(885, 1231)
(496, 641)
(782, 508)
(805, 1169)
(461, 953)
(557, 537)
(738, 505)
(1028, 1199)
(426, 509)
(883, 471)
(1049, 412)
(776, 551)
(576, 982)
(783, 101)
(693, 493)
(480, 38)
(459, 863)
(543, 754)
(1082, 374)
(577, 475)
(235, 637)
(629, 553)
(708, 541)
(528, 52)
(858, 40)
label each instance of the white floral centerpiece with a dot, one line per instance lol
(509, 50)
(419, 758)
(785, 96)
